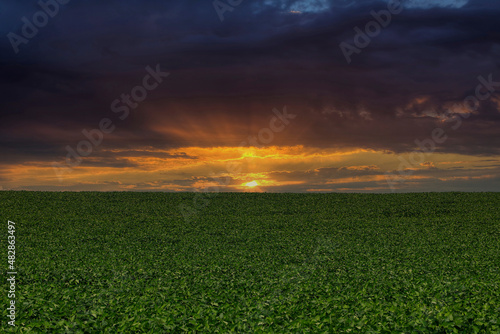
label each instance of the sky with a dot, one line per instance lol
(250, 96)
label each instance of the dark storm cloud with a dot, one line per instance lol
(260, 57)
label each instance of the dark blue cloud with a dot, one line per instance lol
(90, 52)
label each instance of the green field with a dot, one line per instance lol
(254, 263)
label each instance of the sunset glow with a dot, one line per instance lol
(251, 184)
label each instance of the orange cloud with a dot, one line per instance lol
(273, 168)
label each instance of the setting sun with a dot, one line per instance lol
(251, 184)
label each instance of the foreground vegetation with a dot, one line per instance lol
(257, 263)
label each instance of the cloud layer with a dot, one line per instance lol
(227, 77)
